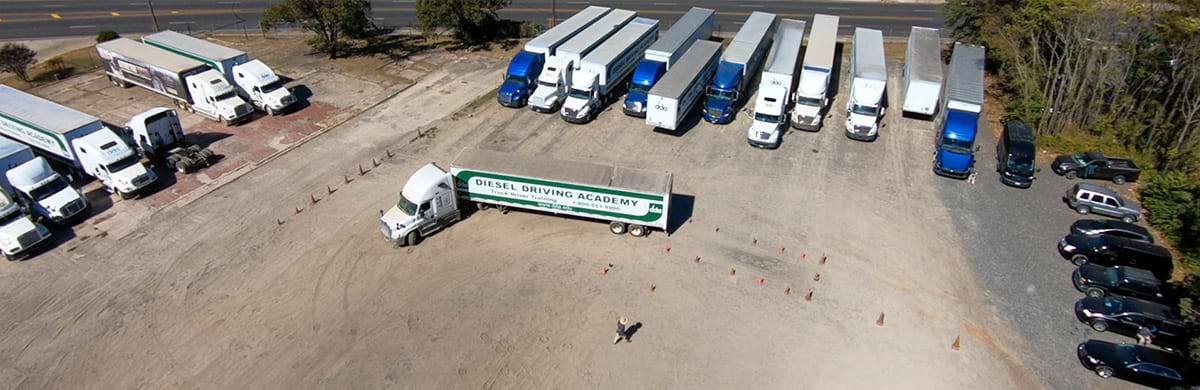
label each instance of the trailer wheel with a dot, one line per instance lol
(412, 238)
(184, 165)
(617, 228)
(482, 206)
(637, 230)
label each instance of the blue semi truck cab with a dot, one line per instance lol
(955, 155)
(738, 66)
(520, 78)
(724, 92)
(644, 76)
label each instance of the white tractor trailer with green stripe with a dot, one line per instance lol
(630, 200)
(254, 80)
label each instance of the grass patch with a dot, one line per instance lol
(49, 70)
(1074, 142)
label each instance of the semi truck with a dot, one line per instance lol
(254, 80)
(158, 135)
(775, 86)
(812, 92)
(556, 76)
(868, 84)
(922, 72)
(738, 65)
(191, 84)
(79, 140)
(673, 97)
(522, 74)
(695, 25)
(602, 71)
(630, 200)
(19, 235)
(958, 121)
(44, 192)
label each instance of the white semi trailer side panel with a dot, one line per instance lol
(673, 97)
(922, 71)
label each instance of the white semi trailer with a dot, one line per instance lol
(190, 83)
(605, 69)
(922, 72)
(812, 93)
(868, 83)
(676, 95)
(776, 85)
(77, 139)
(631, 200)
(556, 76)
(255, 81)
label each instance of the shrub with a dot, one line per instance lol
(106, 35)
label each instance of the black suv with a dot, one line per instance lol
(1125, 316)
(1015, 155)
(1112, 250)
(1142, 365)
(1100, 281)
(1108, 227)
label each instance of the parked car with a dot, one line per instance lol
(1095, 227)
(1090, 198)
(1094, 165)
(1015, 155)
(1099, 281)
(1125, 316)
(1112, 250)
(1142, 365)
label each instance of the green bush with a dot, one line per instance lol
(106, 35)
(1170, 198)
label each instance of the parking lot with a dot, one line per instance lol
(280, 278)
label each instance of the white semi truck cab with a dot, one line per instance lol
(263, 87)
(18, 234)
(427, 203)
(216, 97)
(769, 117)
(105, 156)
(583, 99)
(46, 192)
(552, 85)
(868, 72)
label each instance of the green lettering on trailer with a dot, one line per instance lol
(37, 128)
(655, 207)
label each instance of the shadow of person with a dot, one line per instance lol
(632, 329)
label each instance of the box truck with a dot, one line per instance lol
(812, 92)
(673, 97)
(922, 72)
(556, 76)
(775, 86)
(522, 72)
(191, 84)
(868, 84)
(695, 25)
(958, 121)
(602, 71)
(738, 65)
(77, 139)
(158, 136)
(631, 200)
(19, 235)
(254, 80)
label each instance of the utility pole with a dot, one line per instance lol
(553, 12)
(150, 3)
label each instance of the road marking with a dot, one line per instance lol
(115, 13)
(83, 26)
(185, 22)
(174, 12)
(840, 8)
(926, 11)
(756, 6)
(53, 6)
(55, 16)
(666, 4)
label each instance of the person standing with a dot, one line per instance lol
(621, 331)
(1144, 335)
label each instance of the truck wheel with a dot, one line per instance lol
(482, 206)
(412, 238)
(1079, 260)
(617, 228)
(1119, 179)
(1104, 372)
(1129, 219)
(184, 165)
(203, 154)
(637, 230)
(123, 195)
(1095, 293)
(9, 257)
(270, 111)
(1071, 175)
(1083, 209)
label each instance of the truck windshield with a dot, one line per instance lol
(579, 94)
(272, 86)
(121, 164)
(639, 89)
(11, 217)
(808, 101)
(547, 84)
(407, 206)
(714, 93)
(51, 188)
(1020, 164)
(864, 110)
(515, 79)
(227, 95)
(1082, 159)
(956, 146)
(768, 118)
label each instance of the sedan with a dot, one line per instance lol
(1142, 365)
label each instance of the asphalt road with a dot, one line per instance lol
(26, 19)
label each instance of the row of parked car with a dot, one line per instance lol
(1124, 274)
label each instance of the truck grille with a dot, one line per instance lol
(385, 229)
(73, 208)
(141, 180)
(714, 113)
(29, 238)
(242, 109)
